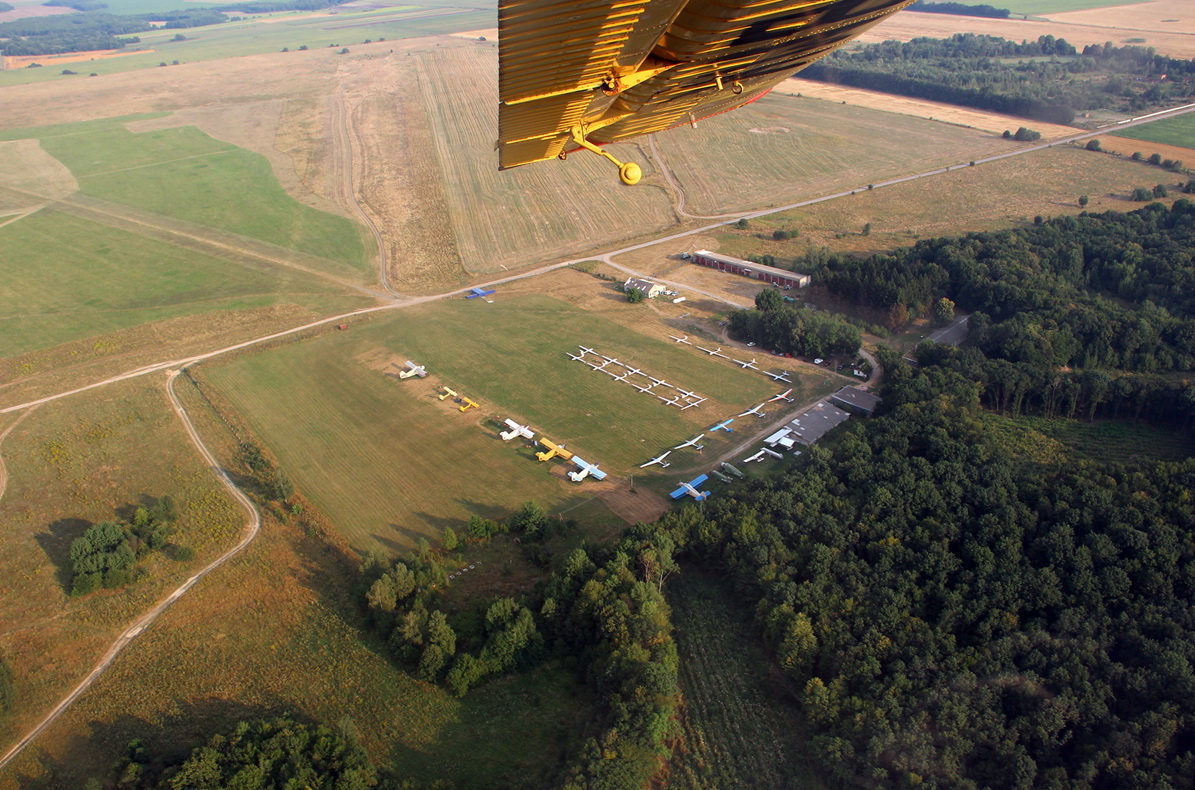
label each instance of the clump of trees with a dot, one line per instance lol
(258, 755)
(1047, 79)
(787, 328)
(106, 555)
(960, 9)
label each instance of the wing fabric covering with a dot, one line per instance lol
(615, 69)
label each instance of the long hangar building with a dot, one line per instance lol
(758, 271)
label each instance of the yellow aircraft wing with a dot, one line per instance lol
(580, 73)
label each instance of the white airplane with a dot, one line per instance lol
(723, 426)
(608, 359)
(413, 370)
(691, 443)
(657, 382)
(743, 364)
(643, 389)
(602, 364)
(659, 459)
(690, 489)
(691, 405)
(673, 401)
(781, 376)
(575, 357)
(516, 430)
(584, 469)
(715, 353)
(757, 457)
(783, 396)
(633, 371)
(684, 339)
(585, 350)
(757, 411)
(686, 393)
(773, 453)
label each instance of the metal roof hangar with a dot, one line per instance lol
(757, 271)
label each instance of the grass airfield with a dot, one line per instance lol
(389, 463)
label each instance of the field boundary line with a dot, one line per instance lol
(155, 164)
(251, 530)
(3, 436)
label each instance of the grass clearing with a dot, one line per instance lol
(1053, 441)
(544, 211)
(1039, 7)
(1179, 132)
(70, 464)
(741, 727)
(185, 174)
(388, 463)
(79, 279)
(788, 147)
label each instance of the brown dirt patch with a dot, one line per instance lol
(23, 61)
(1127, 146)
(489, 33)
(920, 108)
(631, 506)
(25, 166)
(910, 25)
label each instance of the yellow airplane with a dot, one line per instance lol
(448, 393)
(578, 74)
(467, 404)
(553, 451)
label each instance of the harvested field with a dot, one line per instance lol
(65, 58)
(101, 454)
(1127, 146)
(831, 147)
(25, 166)
(920, 108)
(544, 211)
(356, 455)
(24, 10)
(489, 34)
(910, 25)
(1166, 15)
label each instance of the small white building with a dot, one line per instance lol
(781, 438)
(650, 290)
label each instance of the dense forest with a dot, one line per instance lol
(1046, 79)
(960, 9)
(787, 328)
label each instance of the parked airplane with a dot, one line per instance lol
(684, 339)
(467, 404)
(715, 353)
(686, 393)
(643, 389)
(585, 350)
(516, 430)
(658, 382)
(553, 451)
(743, 364)
(720, 476)
(731, 469)
(633, 371)
(773, 453)
(413, 370)
(784, 396)
(673, 401)
(690, 489)
(659, 459)
(608, 359)
(448, 393)
(781, 376)
(585, 469)
(691, 405)
(575, 357)
(691, 443)
(757, 457)
(478, 292)
(757, 411)
(723, 426)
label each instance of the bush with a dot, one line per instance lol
(1142, 194)
(1093, 145)
(742, 224)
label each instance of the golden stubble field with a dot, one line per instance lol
(1080, 28)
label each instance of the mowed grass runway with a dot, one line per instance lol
(388, 463)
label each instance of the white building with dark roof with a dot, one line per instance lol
(650, 290)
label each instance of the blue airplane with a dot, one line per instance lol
(724, 426)
(479, 292)
(690, 489)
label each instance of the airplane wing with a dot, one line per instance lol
(678, 493)
(514, 426)
(696, 481)
(575, 73)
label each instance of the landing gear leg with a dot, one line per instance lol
(629, 172)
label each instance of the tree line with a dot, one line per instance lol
(788, 328)
(1047, 79)
(960, 9)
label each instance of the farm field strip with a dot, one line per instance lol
(529, 214)
(1178, 132)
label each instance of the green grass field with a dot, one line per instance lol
(782, 148)
(185, 174)
(741, 730)
(1178, 131)
(1038, 7)
(1052, 441)
(388, 463)
(69, 278)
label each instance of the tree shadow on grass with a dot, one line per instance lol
(98, 753)
(56, 543)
